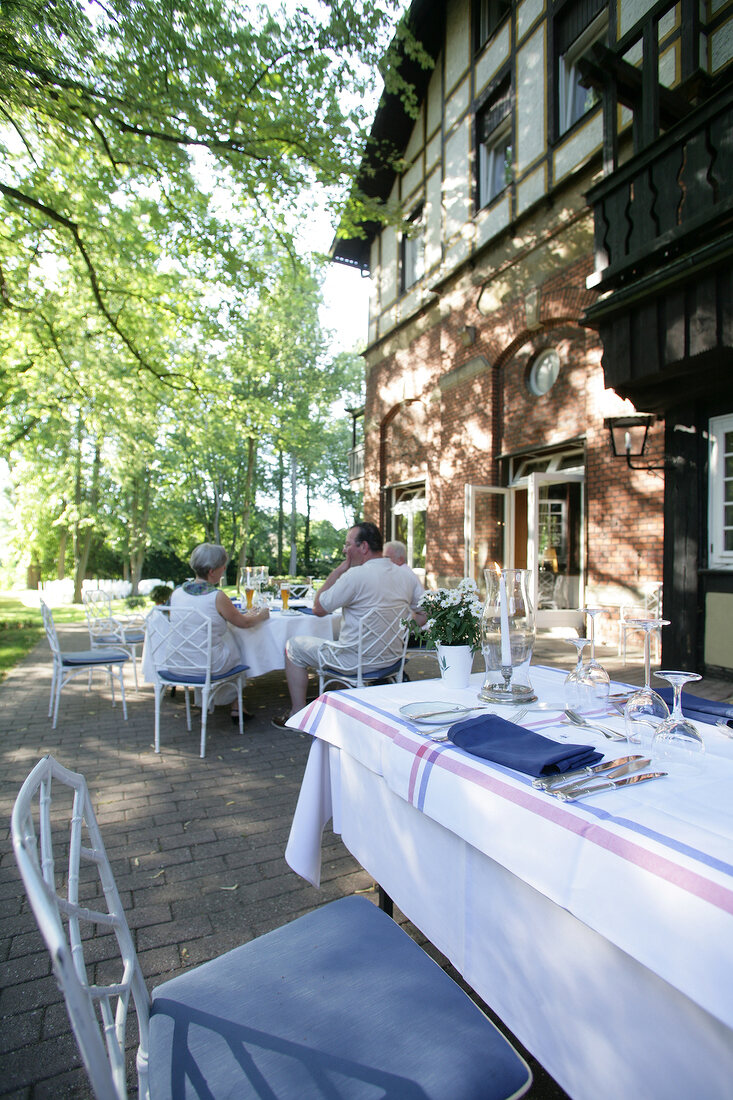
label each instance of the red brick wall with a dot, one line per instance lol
(453, 434)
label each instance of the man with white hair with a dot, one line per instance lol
(365, 579)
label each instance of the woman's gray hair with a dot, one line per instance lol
(207, 557)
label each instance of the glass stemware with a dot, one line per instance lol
(646, 708)
(572, 698)
(677, 746)
(594, 683)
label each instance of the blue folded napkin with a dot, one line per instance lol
(502, 742)
(698, 709)
(303, 610)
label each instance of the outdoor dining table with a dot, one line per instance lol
(600, 931)
(262, 647)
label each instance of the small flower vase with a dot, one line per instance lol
(455, 664)
(507, 637)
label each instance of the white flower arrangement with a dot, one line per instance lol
(454, 616)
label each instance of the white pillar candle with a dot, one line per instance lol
(506, 649)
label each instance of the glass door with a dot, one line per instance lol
(488, 530)
(555, 545)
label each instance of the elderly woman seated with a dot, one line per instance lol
(209, 562)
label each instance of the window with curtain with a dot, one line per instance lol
(494, 144)
(412, 250)
(487, 15)
(720, 499)
(579, 25)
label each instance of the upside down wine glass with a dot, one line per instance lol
(572, 680)
(645, 709)
(677, 746)
(594, 683)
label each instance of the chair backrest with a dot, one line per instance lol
(300, 591)
(50, 628)
(44, 828)
(97, 604)
(382, 640)
(180, 641)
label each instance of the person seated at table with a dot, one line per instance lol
(397, 552)
(209, 563)
(364, 580)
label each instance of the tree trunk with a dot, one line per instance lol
(293, 517)
(61, 558)
(140, 512)
(280, 511)
(84, 540)
(248, 502)
(307, 532)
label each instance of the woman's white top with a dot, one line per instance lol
(225, 652)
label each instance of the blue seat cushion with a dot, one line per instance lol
(339, 1004)
(94, 657)
(198, 678)
(373, 674)
(134, 637)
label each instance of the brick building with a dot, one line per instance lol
(487, 391)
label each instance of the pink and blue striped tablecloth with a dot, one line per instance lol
(649, 867)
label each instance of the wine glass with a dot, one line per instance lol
(594, 683)
(645, 709)
(572, 698)
(677, 747)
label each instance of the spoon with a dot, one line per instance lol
(578, 720)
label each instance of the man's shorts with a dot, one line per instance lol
(302, 650)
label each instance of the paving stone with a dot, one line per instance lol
(197, 846)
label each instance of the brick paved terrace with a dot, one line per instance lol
(196, 845)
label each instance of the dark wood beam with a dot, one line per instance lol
(601, 66)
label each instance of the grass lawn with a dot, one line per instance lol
(21, 626)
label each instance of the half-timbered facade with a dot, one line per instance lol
(490, 380)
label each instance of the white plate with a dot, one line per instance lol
(447, 711)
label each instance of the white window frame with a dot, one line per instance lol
(720, 491)
(495, 163)
(569, 88)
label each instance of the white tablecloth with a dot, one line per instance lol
(502, 877)
(262, 647)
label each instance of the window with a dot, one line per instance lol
(494, 144)
(487, 15)
(720, 499)
(543, 372)
(408, 522)
(412, 251)
(578, 27)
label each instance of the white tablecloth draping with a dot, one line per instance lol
(262, 647)
(648, 870)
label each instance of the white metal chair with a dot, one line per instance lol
(301, 592)
(340, 1002)
(180, 650)
(68, 665)
(106, 630)
(650, 609)
(380, 653)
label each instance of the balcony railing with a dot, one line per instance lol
(356, 463)
(669, 200)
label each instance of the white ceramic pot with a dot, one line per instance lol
(455, 663)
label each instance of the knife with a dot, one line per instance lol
(561, 778)
(582, 792)
(635, 764)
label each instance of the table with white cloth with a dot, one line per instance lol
(600, 931)
(262, 647)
